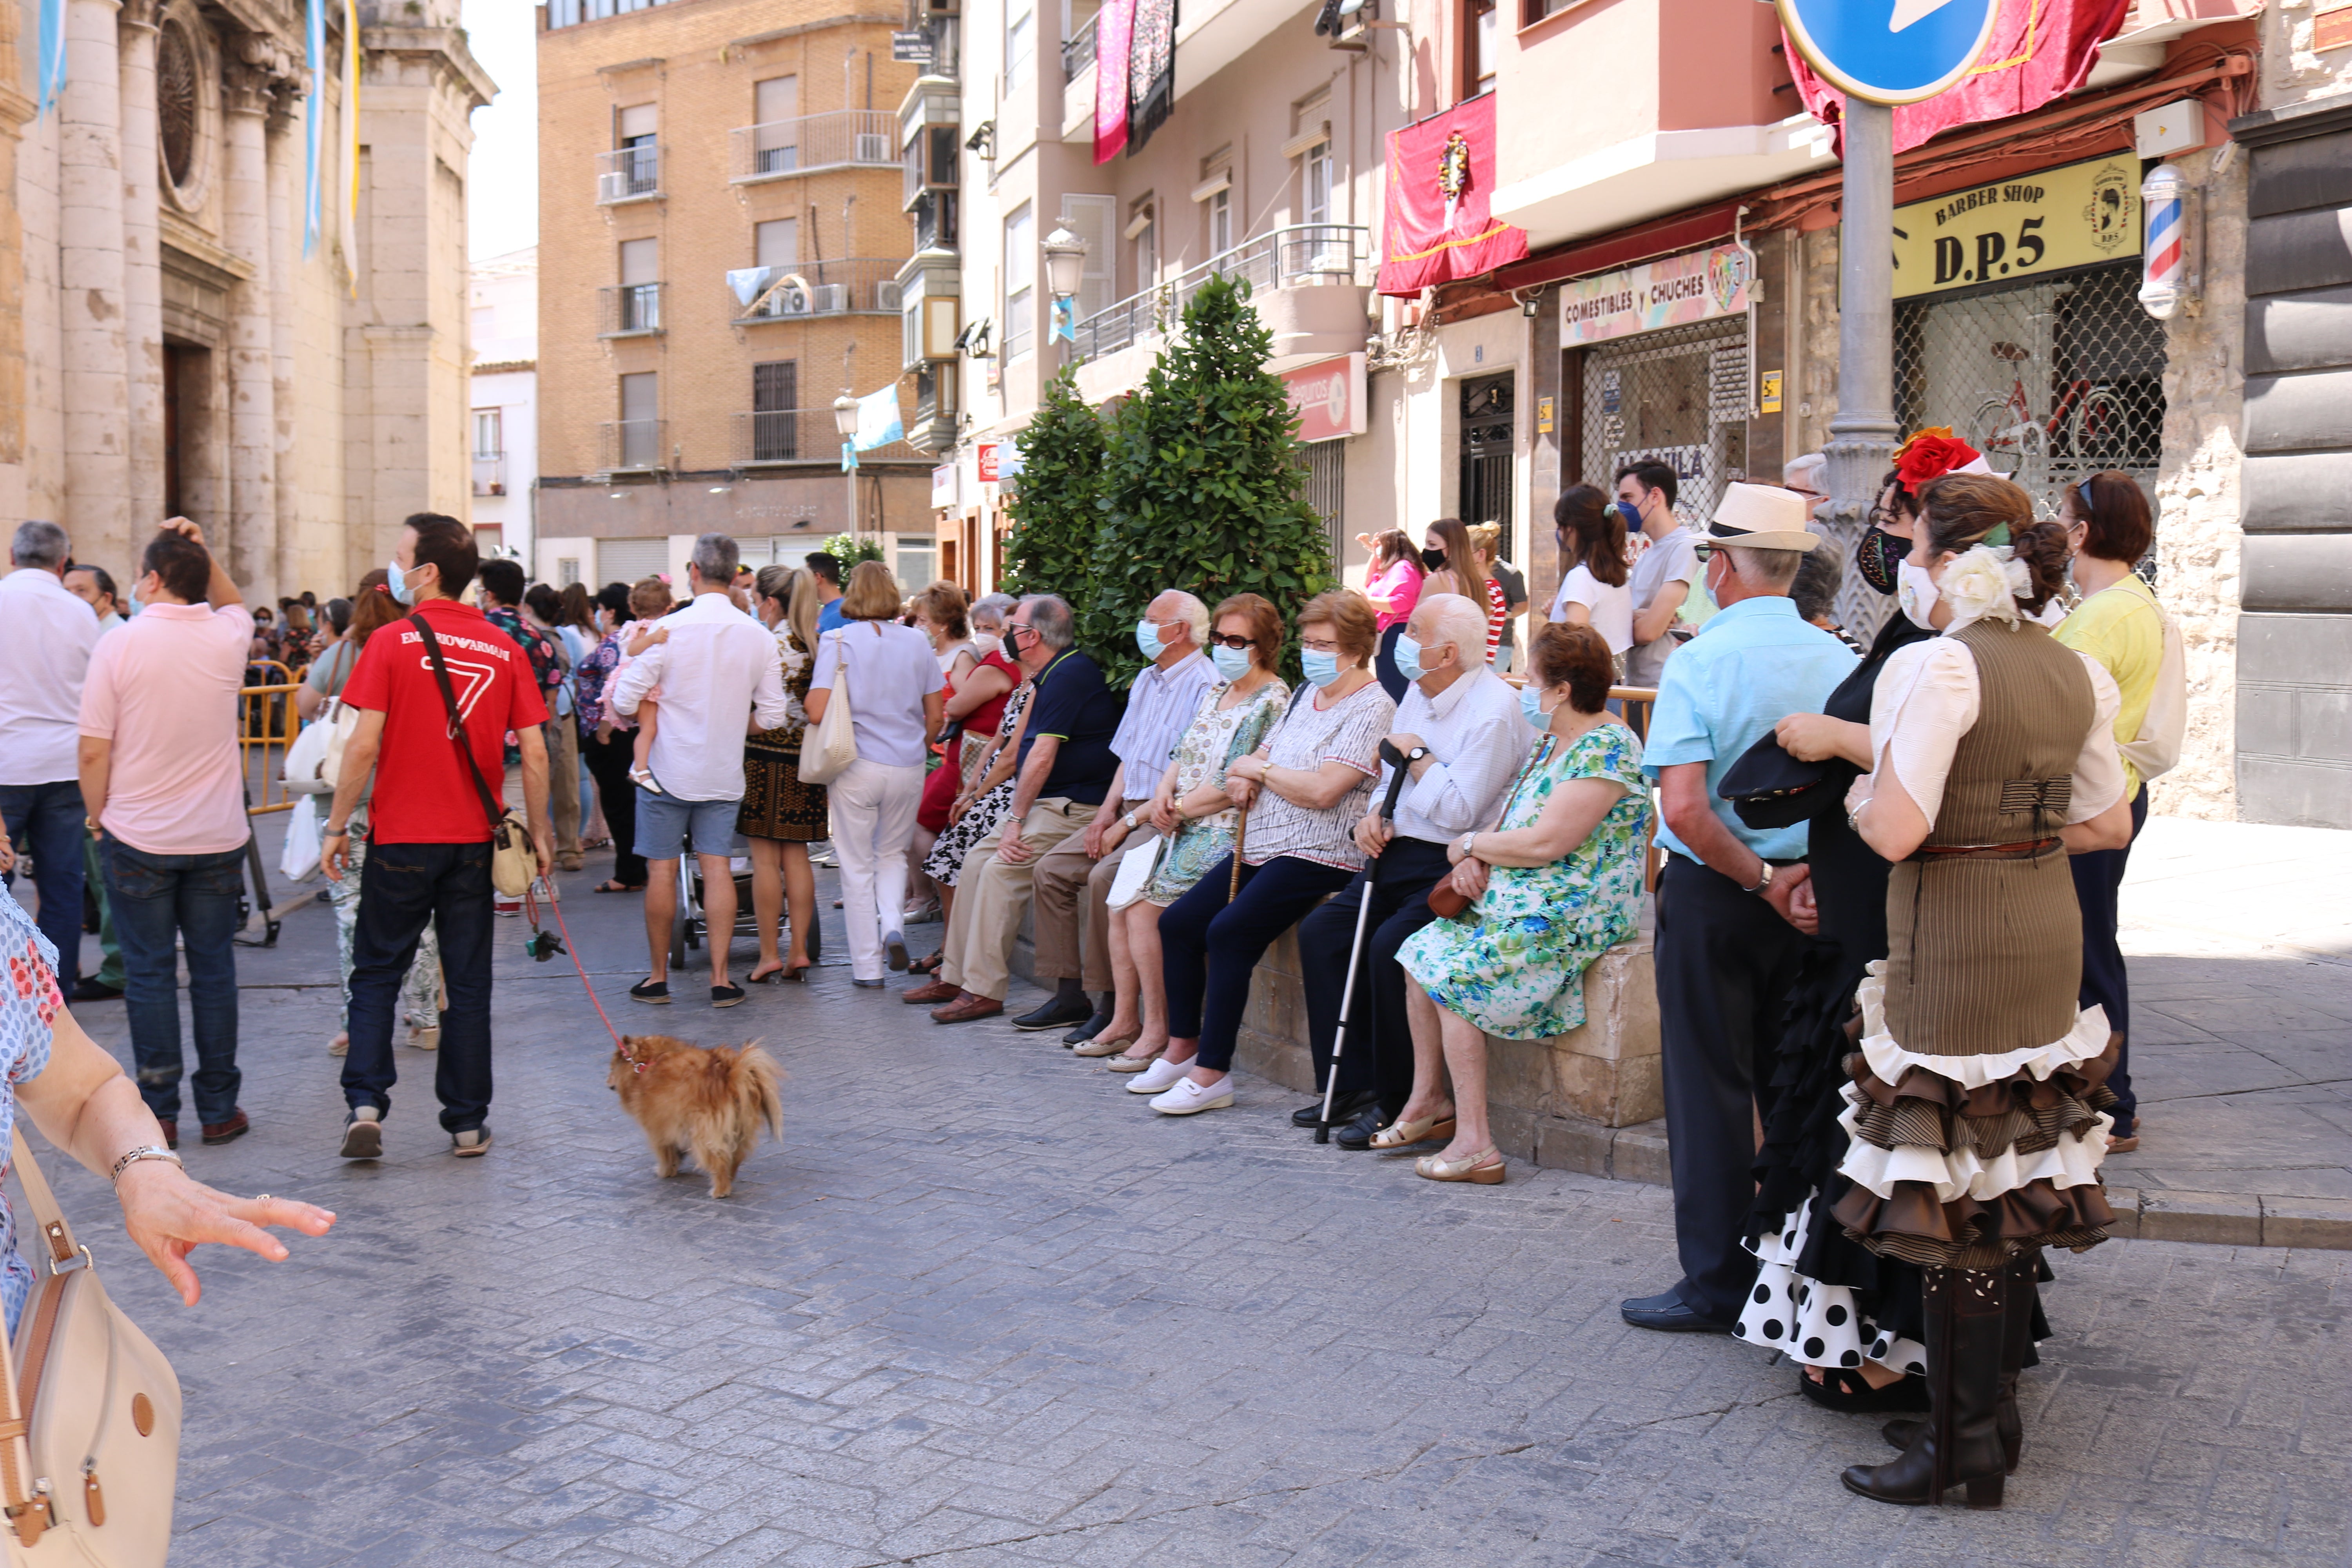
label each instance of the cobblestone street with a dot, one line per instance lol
(981, 1307)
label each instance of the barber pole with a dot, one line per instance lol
(2165, 284)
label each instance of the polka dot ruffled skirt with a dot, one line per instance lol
(1812, 1323)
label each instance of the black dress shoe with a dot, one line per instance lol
(91, 991)
(1358, 1132)
(1667, 1312)
(1055, 1014)
(1343, 1106)
(1095, 1025)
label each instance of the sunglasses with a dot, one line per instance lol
(1238, 644)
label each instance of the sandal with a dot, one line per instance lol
(1484, 1167)
(1135, 1064)
(928, 965)
(1100, 1046)
(596, 843)
(616, 885)
(1401, 1133)
(1844, 1388)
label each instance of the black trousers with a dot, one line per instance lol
(2098, 888)
(402, 887)
(608, 764)
(1725, 962)
(1209, 946)
(1379, 1052)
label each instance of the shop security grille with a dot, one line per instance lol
(1678, 397)
(1326, 463)
(2052, 380)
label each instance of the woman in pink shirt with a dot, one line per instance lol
(1393, 582)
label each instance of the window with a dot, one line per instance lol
(776, 242)
(641, 169)
(567, 571)
(1143, 232)
(1221, 222)
(1020, 42)
(1095, 219)
(488, 433)
(640, 296)
(1482, 39)
(639, 445)
(1315, 179)
(776, 425)
(776, 111)
(917, 559)
(1020, 282)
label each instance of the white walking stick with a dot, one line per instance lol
(1396, 760)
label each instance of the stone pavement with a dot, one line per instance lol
(982, 1307)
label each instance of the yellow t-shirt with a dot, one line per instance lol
(2121, 628)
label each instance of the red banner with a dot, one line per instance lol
(1439, 225)
(2040, 50)
(1113, 33)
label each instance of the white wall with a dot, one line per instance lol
(503, 296)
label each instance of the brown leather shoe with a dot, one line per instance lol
(228, 1132)
(930, 995)
(966, 1008)
(171, 1132)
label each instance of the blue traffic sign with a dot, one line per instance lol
(1889, 51)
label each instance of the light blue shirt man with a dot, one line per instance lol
(1753, 664)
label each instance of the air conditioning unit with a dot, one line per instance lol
(612, 187)
(828, 298)
(873, 147)
(887, 295)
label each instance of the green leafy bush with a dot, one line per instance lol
(849, 551)
(1057, 506)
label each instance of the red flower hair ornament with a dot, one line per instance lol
(1933, 453)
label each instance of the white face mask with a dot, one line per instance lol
(1916, 593)
(987, 642)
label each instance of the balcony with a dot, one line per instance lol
(774, 436)
(844, 139)
(633, 446)
(1302, 277)
(629, 311)
(1078, 49)
(489, 473)
(854, 286)
(628, 175)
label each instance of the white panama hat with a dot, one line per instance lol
(1761, 517)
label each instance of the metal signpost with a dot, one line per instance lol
(1879, 53)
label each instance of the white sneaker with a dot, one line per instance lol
(1158, 1077)
(1189, 1097)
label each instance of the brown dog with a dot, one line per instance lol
(708, 1103)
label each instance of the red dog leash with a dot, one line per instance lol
(572, 950)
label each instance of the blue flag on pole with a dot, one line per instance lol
(53, 52)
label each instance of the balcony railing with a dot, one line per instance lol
(1298, 256)
(802, 435)
(852, 285)
(489, 473)
(628, 175)
(634, 443)
(846, 137)
(1078, 50)
(629, 311)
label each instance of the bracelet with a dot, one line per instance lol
(151, 1152)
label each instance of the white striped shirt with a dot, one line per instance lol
(1160, 707)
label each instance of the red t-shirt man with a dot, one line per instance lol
(425, 794)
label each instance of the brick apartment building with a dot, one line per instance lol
(721, 228)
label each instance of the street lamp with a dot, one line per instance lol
(845, 420)
(1065, 270)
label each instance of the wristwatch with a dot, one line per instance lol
(1415, 756)
(1765, 884)
(1130, 820)
(150, 1151)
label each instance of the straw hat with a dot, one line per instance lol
(1761, 517)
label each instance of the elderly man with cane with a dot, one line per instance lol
(1459, 739)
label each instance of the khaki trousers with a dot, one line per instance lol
(1070, 884)
(564, 781)
(991, 896)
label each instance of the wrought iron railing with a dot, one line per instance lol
(844, 138)
(1078, 50)
(628, 175)
(633, 444)
(628, 309)
(800, 436)
(489, 473)
(851, 285)
(1296, 256)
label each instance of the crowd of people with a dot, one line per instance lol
(1892, 1009)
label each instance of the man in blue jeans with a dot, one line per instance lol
(46, 637)
(429, 828)
(162, 776)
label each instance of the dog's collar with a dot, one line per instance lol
(636, 1064)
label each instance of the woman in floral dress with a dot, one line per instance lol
(1192, 815)
(1565, 883)
(974, 814)
(782, 815)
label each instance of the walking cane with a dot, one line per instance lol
(1395, 759)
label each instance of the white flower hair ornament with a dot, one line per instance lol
(1985, 580)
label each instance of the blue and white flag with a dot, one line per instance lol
(53, 52)
(314, 127)
(878, 424)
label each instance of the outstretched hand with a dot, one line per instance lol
(170, 1215)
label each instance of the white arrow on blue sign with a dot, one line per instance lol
(1889, 51)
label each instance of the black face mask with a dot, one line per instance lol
(1434, 560)
(1875, 556)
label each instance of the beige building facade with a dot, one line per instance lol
(721, 232)
(180, 353)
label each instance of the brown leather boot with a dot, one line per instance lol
(1959, 1443)
(2017, 1338)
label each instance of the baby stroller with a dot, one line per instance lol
(688, 929)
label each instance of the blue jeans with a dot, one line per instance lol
(44, 820)
(402, 887)
(193, 898)
(2098, 889)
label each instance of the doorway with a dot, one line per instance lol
(1489, 413)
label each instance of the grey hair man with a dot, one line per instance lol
(1462, 739)
(1808, 474)
(1064, 769)
(45, 638)
(1173, 635)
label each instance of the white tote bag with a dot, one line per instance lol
(1135, 867)
(299, 861)
(831, 743)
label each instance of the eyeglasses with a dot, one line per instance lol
(1237, 644)
(1320, 645)
(1704, 549)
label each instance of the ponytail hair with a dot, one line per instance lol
(1959, 509)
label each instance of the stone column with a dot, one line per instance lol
(143, 265)
(252, 352)
(96, 383)
(15, 109)
(285, 155)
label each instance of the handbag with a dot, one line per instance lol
(1136, 866)
(90, 1452)
(314, 762)
(513, 861)
(831, 745)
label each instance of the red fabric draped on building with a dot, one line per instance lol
(1441, 182)
(2040, 50)
(1112, 35)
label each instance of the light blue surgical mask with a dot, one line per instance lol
(1147, 639)
(1232, 663)
(1320, 666)
(396, 584)
(1531, 704)
(1408, 658)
